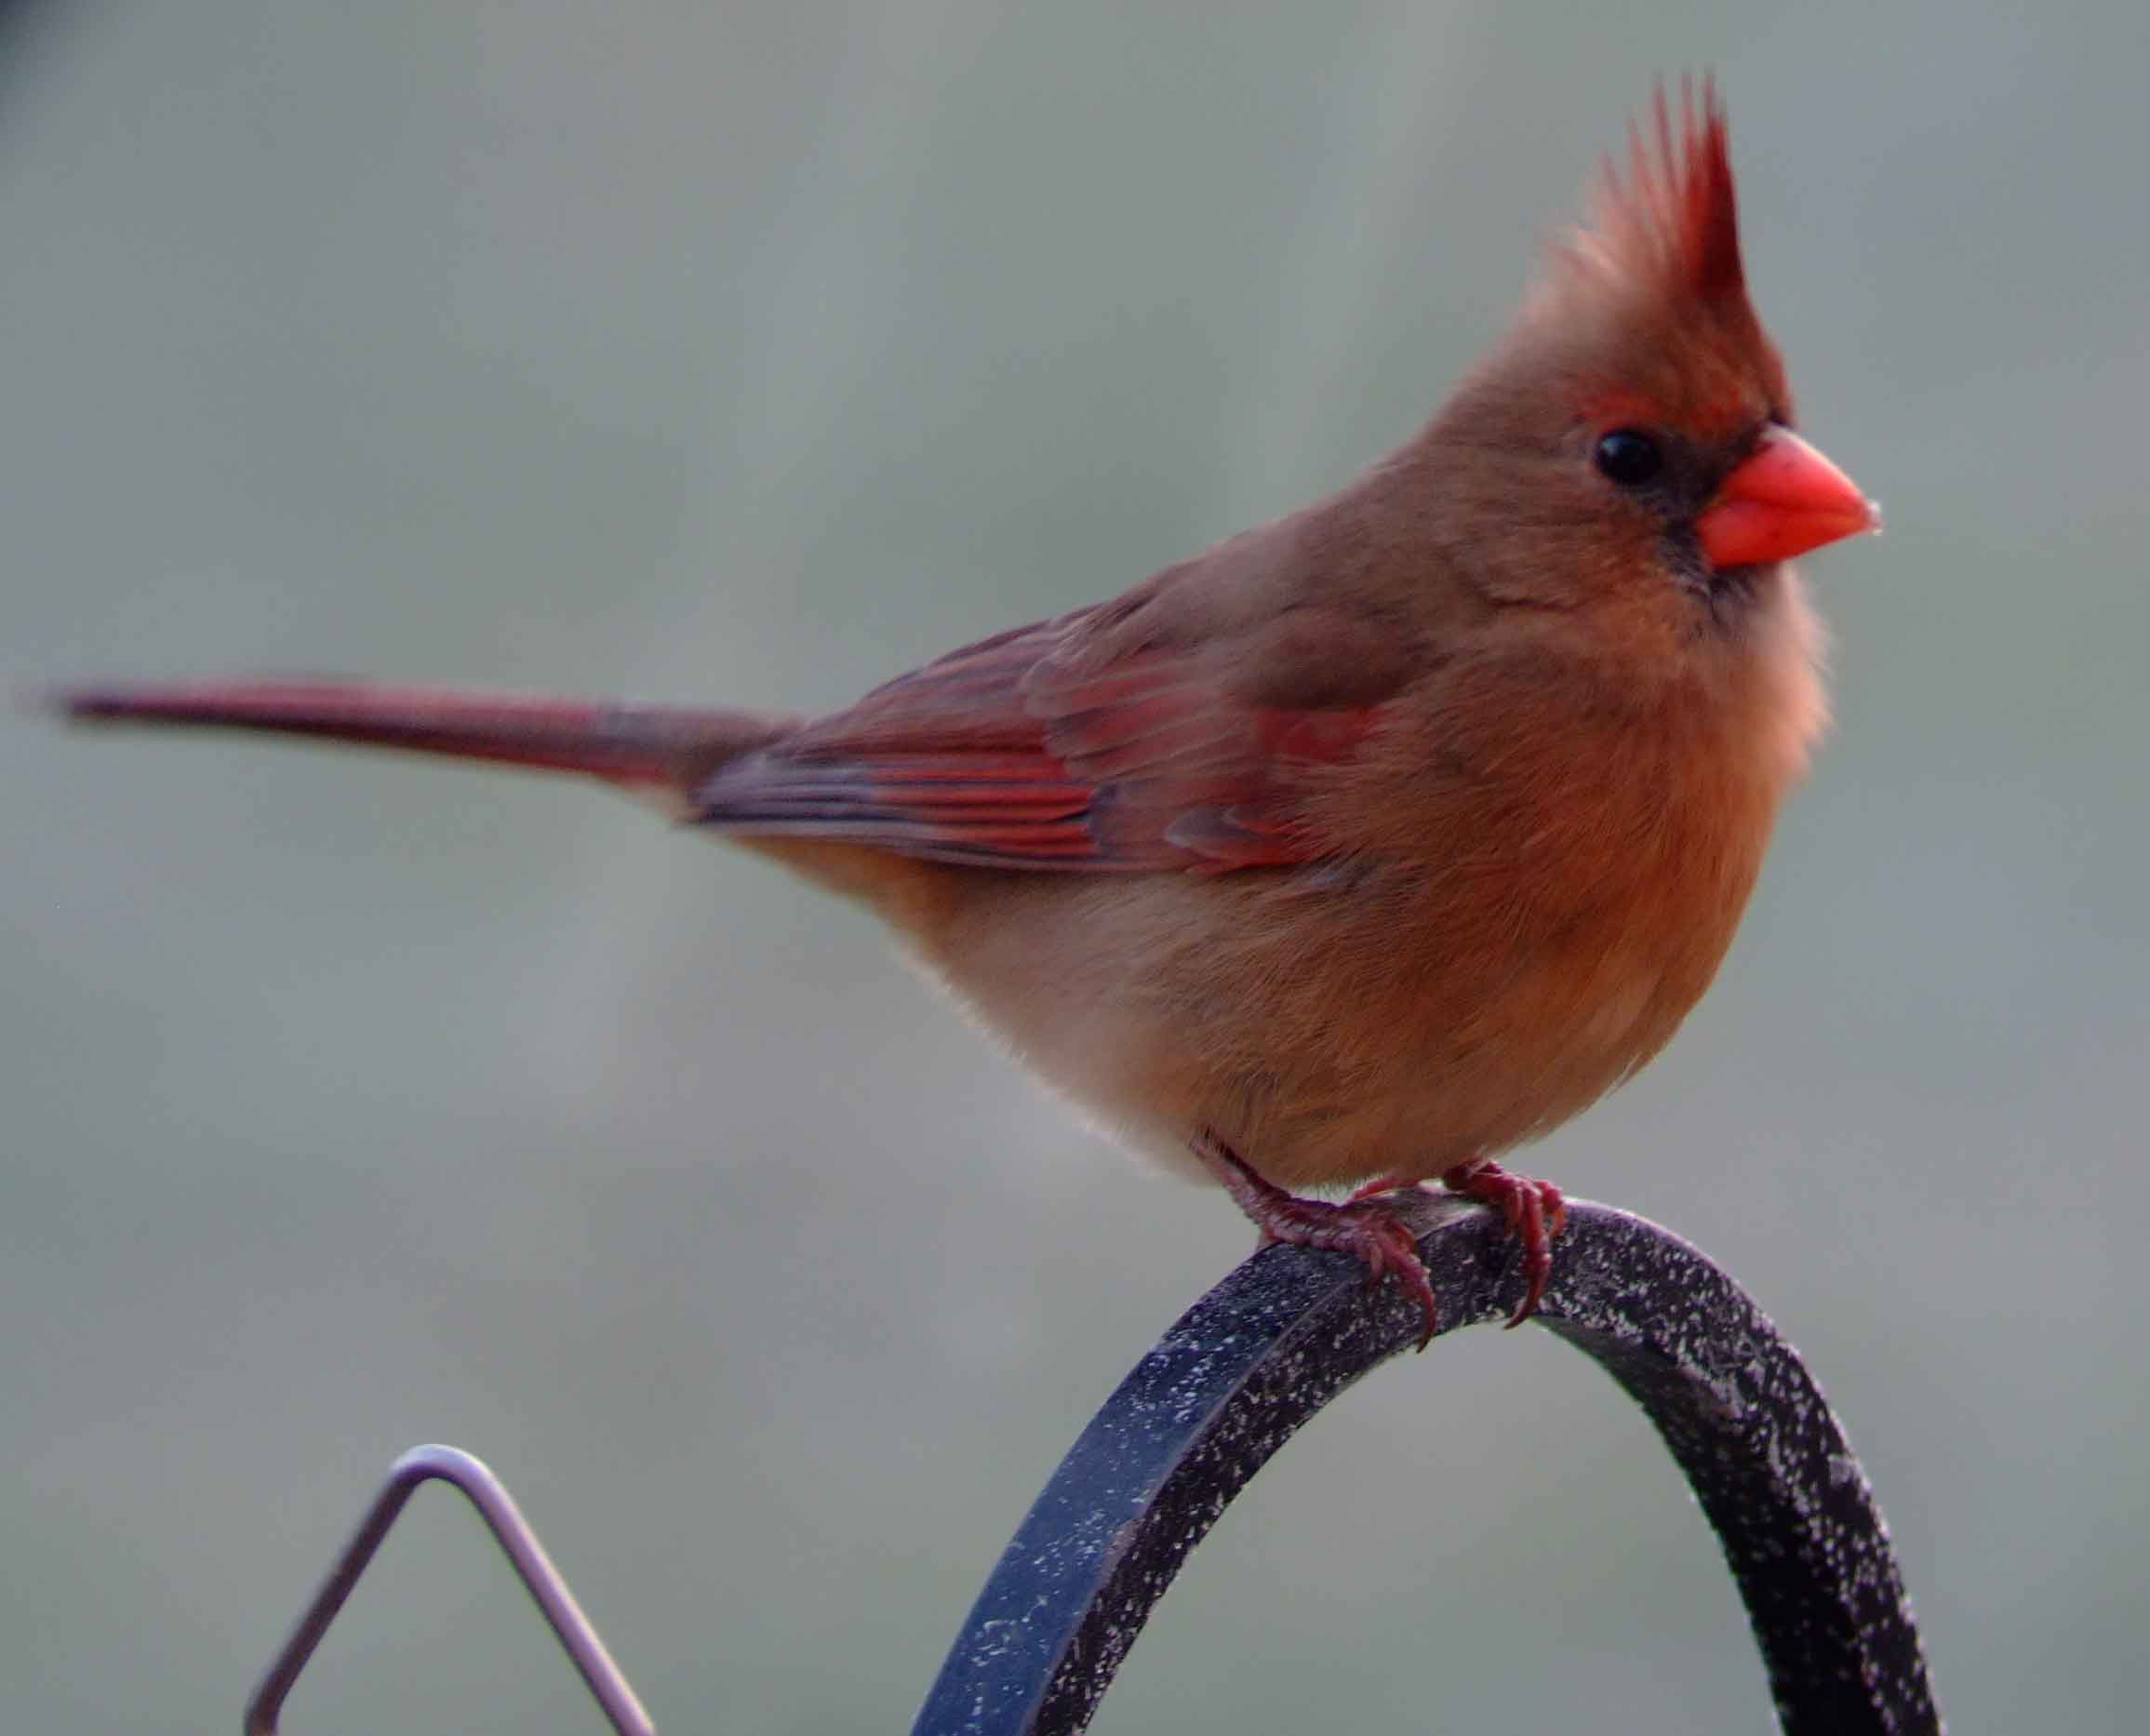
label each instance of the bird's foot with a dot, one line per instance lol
(1376, 1234)
(1533, 1211)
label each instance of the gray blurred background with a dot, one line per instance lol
(754, 352)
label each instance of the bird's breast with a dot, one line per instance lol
(1535, 936)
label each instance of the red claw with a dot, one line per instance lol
(1533, 1211)
(1375, 1233)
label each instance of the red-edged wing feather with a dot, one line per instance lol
(1014, 753)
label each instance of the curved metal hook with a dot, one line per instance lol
(1291, 1328)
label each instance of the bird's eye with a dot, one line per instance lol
(1628, 457)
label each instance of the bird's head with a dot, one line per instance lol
(1629, 445)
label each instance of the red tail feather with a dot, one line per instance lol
(631, 745)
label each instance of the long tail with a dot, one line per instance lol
(664, 747)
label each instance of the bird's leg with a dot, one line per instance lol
(1376, 1234)
(1534, 1212)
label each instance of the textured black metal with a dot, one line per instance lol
(1291, 1328)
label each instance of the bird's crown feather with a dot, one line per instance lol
(1670, 224)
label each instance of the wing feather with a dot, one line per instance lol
(1077, 744)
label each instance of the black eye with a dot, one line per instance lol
(1628, 457)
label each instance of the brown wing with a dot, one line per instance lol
(1141, 734)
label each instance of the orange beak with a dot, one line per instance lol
(1785, 500)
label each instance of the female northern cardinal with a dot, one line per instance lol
(1367, 844)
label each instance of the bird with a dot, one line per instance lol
(1366, 845)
